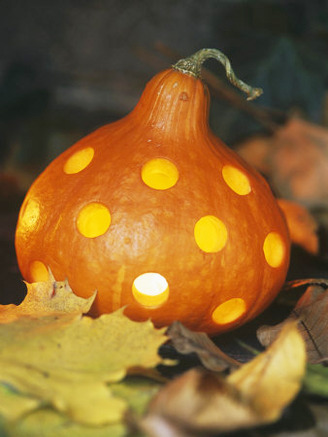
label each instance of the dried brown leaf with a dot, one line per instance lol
(311, 313)
(257, 150)
(200, 402)
(301, 224)
(300, 162)
(295, 159)
(211, 356)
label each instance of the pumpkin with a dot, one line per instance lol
(159, 215)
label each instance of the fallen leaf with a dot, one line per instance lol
(44, 298)
(311, 314)
(47, 422)
(295, 160)
(68, 360)
(197, 403)
(257, 150)
(272, 379)
(200, 403)
(13, 405)
(135, 391)
(301, 224)
(211, 356)
(300, 164)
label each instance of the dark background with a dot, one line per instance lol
(70, 66)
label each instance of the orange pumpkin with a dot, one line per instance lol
(158, 215)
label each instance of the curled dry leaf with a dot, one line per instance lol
(302, 225)
(46, 298)
(272, 379)
(211, 356)
(311, 314)
(200, 402)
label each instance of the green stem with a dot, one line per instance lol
(193, 66)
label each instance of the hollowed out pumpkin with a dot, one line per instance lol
(158, 215)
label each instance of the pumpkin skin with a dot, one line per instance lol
(216, 235)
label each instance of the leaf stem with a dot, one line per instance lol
(193, 65)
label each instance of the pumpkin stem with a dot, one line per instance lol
(193, 65)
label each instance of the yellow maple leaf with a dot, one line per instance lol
(47, 422)
(53, 354)
(13, 405)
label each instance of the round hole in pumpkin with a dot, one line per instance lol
(30, 215)
(39, 271)
(93, 220)
(79, 161)
(150, 289)
(274, 249)
(229, 311)
(160, 174)
(210, 234)
(236, 180)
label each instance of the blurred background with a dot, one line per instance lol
(70, 66)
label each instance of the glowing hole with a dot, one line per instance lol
(229, 311)
(93, 220)
(150, 289)
(274, 249)
(79, 161)
(30, 215)
(39, 272)
(159, 174)
(236, 180)
(210, 234)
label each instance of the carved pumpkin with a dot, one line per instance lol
(158, 215)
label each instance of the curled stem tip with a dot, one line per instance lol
(193, 65)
